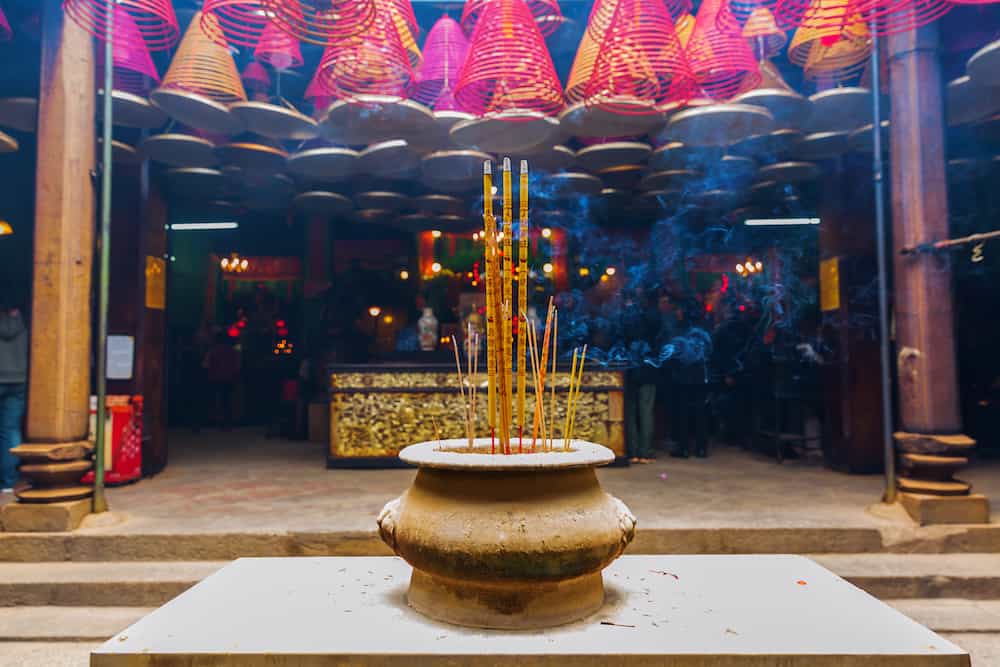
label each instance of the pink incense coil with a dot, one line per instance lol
(5, 32)
(406, 26)
(508, 66)
(374, 63)
(444, 53)
(640, 60)
(237, 22)
(322, 21)
(603, 10)
(134, 70)
(318, 94)
(278, 49)
(155, 21)
(889, 17)
(720, 59)
(255, 78)
(546, 14)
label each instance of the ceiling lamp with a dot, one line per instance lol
(155, 20)
(720, 59)
(641, 64)
(237, 22)
(278, 49)
(5, 228)
(547, 17)
(322, 21)
(832, 43)
(234, 263)
(508, 66)
(5, 32)
(444, 53)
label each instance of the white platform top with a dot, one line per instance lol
(681, 611)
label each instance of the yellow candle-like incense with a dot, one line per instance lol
(576, 396)
(569, 398)
(555, 355)
(489, 230)
(508, 280)
(522, 301)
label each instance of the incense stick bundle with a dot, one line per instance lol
(543, 361)
(508, 279)
(490, 230)
(537, 371)
(522, 303)
(569, 398)
(576, 397)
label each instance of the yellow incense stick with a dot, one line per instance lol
(508, 277)
(555, 355)
(532, 340)
(569, 397)
(522, 302)
(461, 390)
(540, 397)
(490, 230)
(576, 396)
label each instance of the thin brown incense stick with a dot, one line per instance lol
(532, 340)
(497, 350)
(503, 363)
(461, 389)
(489, 231)
(522, 303)
(569, 397)
(576, 396)
(552, 400)
(540, 398)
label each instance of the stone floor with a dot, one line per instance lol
(241, 482)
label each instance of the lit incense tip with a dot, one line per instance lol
(524, 166)
(487, 167)
(506, 164)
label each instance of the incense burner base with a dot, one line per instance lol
(506, 541)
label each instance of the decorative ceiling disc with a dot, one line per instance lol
(375, 216)
(195, 182)
(416, 222)
(121, 152)
(840, 110)
(613, 201)
(8, 144)
(19, 113)
(732, 172)
(453, 171)
(770, 147)
(789, 172)
(652, 201)
(612, 154)
(196, 111)
(440, 205)
(788, 108)
(367, 119)
(822, 145)
(968, 100)
(763, 190)
(456, 223)
(624, 176)
(389, 159)
(573, 183)
(438, 136)
(984, 65)
(324, 165)
(176, 149)
(669, 179)
(719, 124)
(551, 158)
(130, 110)
(675, 155)
(266, 191)
(274, 122)
(513, 131)
(382, 200)
(861, 139)
(713, 199)
(252, 155)
(581, 120)
(963, 170)
(989, 129)
(322, 203)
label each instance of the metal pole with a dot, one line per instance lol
(100, 503)
(889, 452)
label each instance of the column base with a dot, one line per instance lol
(43, 517)
(933, 510)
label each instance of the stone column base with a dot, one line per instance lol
(43, 517)
(932, 510)
(928, 490)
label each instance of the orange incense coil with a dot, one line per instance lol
(154, 19)
(278, 49)
(406, 26)
(204, 67)
(546, 13)
(763, 35)
(832, 43)
(784, 14)
(373, 63)
(237, 22)
(604, 10)
(640, 59)
(322, 21)
(684, 27)
(508, 65)
(893, 16)
(720, 58)
(583, 65)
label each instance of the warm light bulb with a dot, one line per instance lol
(494, 190)
(739, 268)
(584, 271)
(475, 236)
(436, 233)
(759, 266)
(604, 278)
(436, 267)
(547, 267)
(224, 263)
(500, 236)
(749, 267)
(244, 264)
(374, 311)
(610, 270)
(387, 319)
(5, 228)
(404, 275)
(546, 232)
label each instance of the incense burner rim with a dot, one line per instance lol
(454, 454)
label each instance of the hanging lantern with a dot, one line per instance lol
(508, 66)
(547, 16)
(236, 22)
(832, 43)
(322, 21)
(762, 33)
(154, 19)
(5, 32)
(444, 53)
(641, 64)
(278, 49)
(720, 59)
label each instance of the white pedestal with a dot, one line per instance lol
(681, 611)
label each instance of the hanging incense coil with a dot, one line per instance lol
(256, 79)
(204, 67)
(762, 33)
(832, 43)
(154, 19)
(134, 70)
(583, 64)
(894, 16)
(5, 32)
(508, 66)
(444, 54)
(318, 94)
(322, 21)
(546, 13)
(237, 22)
(641, 64)
(784, 14)
(604, 10)
(278, 49)
(720, 59)
(402, 15)
(374, 63)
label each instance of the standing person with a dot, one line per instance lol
(640, 321)
(693, 350)
(13, 388)
(222, 366)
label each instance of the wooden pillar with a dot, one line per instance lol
(930, 444)
(59, 384)
(154, 343)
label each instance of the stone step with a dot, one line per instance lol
(149, 584)
(952, 614)
(66, 624)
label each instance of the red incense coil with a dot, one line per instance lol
(583, 65)
(318, 94)
(278, 49)
(255, 78)
(508, 66)
(322, 21)
(237, 22)
(134, 69)
(5, 32)
(833, 43)
(373, 63)
(785, 15)
(444, 53)
(406, 25)
(603, 11)
(640, 59)
(720, 58)
(204, 67)
(546, 14)
(889, 17)
(155, 21)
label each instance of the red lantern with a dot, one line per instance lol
(155, 21)
(322, 21)
(720, 59)
(546, 13)
(374, 63)
(278, 49)
(444, 53)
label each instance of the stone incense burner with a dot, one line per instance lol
(509, 542)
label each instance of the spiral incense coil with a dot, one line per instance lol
(5, 32)
(256, 79)
(322, 21)
(720, 59)
(374, 63)
(508, 66)
(583, 65)
(318, 94)
(278, 49)
(833, 42)
(444, 54)
(894, 16)
(604, 10)
(684, 27)
(641, 60)
(785, 15)
(237, 22)
(546, 13)
(134, 70)
(763, 35)
(406, 25)
(155, 21)
(204, 67)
